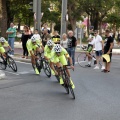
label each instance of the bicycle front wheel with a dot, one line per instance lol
(46, 68)
(82, 60)
(2, 64)
(72, 91)
(11, 63)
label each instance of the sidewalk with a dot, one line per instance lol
(18, 51)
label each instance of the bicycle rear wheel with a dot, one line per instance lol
(82, 60)
(72, 91)
(2, 64)
(46, 68)
(11, 63)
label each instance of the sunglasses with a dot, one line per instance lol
(57, 52)
(95, 33)
(50, 46)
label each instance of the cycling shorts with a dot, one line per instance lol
(61, 59)
(90, 47)
(2, 50)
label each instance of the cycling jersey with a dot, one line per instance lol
(31, 46)
(2, 49)
(61, 58)
(47, 52)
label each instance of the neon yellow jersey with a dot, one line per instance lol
(5, 44)
(63, 52)
(31, 46)
(61, 58)
(47, 52)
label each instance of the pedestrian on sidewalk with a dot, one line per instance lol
(72, 43)
(64, 41)
(11, 37)
(99, 46)
(25, 36)
(108, 50)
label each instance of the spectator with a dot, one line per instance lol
(118, 38)
(108, 50)
(72, 43)
(45, 26)
(37, 34)
(64, 41)
(56, 37)
(11, 37)
(25, 36)
(46, 37)
(99, 45)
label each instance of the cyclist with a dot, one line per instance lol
(59, 58)
(34, 45)
(48, 51)
(3, 43)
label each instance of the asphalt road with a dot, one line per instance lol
(26, 96)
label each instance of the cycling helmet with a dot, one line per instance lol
(57, 48)
(49, 42)
(2, 39)
(33, 39)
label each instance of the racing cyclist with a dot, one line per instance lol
(48, 51)
(3, 43)
(59, 58)
(34, 45)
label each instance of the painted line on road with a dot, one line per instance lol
(12, 73)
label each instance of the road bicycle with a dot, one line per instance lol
(7, 61)
(82, 58)
(41, 63)
(67, 83)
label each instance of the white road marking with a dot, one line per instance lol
(12, 73)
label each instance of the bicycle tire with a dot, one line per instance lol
(82, 60)
(2, 63)
(65, 78)
(72, 91)
(46, 68)
(57, 77)
(12, 64)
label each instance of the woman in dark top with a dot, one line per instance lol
(25, 36)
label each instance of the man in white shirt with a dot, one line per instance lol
(99, 47)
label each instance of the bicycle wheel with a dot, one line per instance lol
(72, 91)
(2, 63)
(57, 77)
(82, 60)
(11, 63)
(65, 82)
(46, 68)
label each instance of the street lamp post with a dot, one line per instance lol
(63, 18)
(37, 12)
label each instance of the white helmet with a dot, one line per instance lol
(49, 42)
(57, 48)
(33, 39)
(2, 39)
(37, 36)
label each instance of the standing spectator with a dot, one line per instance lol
(108, 50)
(11, 37)
(45, 26)
(56, 37)
(118, 38)
(72, 43)
(99, 46)
(25, 36)
(37, 34)
(64, 41)
(46, 37)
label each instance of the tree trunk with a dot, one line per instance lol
(3, 19)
